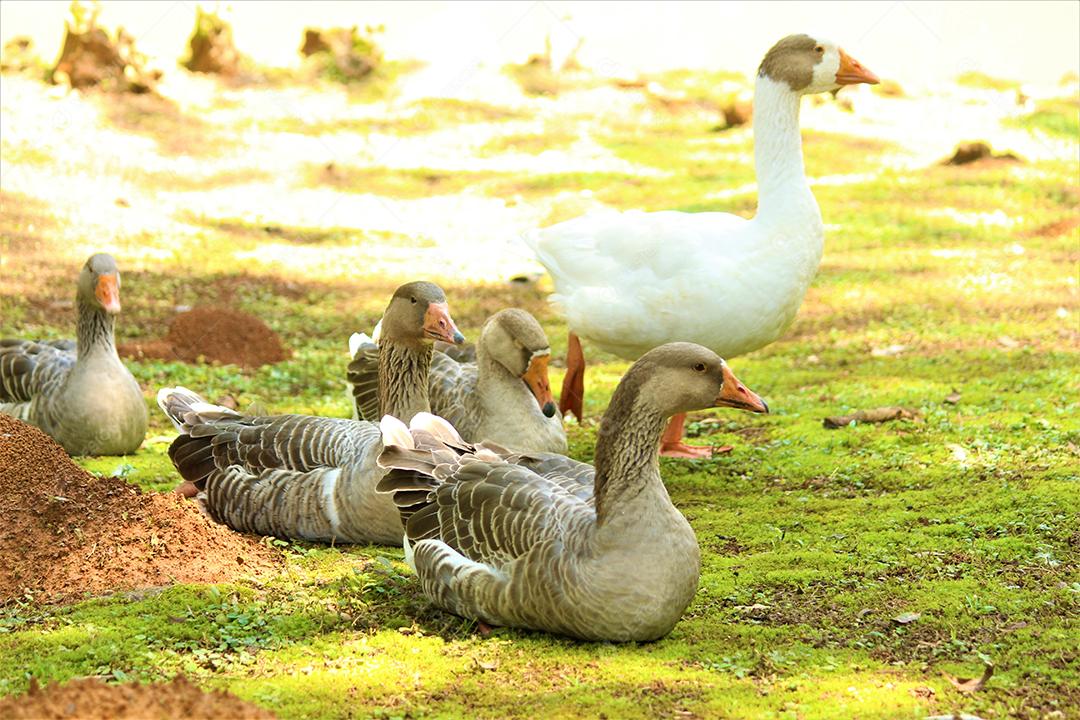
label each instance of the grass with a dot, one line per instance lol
(1060, 117)
(813, 541)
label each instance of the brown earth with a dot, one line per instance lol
(67, 532)
(91, 699)
(214, 334)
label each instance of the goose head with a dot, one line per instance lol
(811, 65)
(681, 377)
(514, 339)
(418, 313)
(99, 283)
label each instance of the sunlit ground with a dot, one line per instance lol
(307, 203)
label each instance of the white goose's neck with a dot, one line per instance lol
(778, 159)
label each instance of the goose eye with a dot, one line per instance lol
(819, 49)
(412, 300)
(700, 367)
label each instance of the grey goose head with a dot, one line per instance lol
(681, 377)
(812, 65)
(99, 284)
(418, 313)
(514, 339)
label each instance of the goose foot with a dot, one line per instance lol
(483, 628)
(573, 389)
(672, 445)
(682, 450)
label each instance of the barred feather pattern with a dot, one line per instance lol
(30, 370)
(291, 476)
(515, 540)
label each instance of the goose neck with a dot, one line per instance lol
(778, 158)
(627, 450)
(95, 330)
(403, 378)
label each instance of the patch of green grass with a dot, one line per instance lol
(1059, 117)
(982, 81)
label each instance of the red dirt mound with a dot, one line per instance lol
(66, 532)
(214, 334)
(92, 699)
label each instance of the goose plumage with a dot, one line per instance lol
(306, 477)
(500, 392)
(79, 392)
(541, 541)
(630, 281)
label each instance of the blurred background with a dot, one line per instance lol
(915, 43)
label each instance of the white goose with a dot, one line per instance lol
(631, 281)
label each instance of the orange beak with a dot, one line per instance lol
(438, 325)
(536, 377)
(736, 395)
(108, 293)
(852, 72)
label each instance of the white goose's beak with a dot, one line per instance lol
(852, 72)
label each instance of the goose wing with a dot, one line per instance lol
(450, 385)
(29, 369)
(363, 377)
(480, 503)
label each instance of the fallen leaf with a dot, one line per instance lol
(1006, 341)
(970, 685)
(953, 397)
(888, 351)
(876, 415)
(959, 454)
(755, 609)
(906, 618)
(923, 692)
(228, 401)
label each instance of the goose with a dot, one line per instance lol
(305, 477)
(630, 281)
(79, 392)
(542, 541)
(500, 393)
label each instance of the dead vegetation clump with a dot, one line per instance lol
(343, 54)
(18, 57)
(211, 48)
(92, 699)
(975, 152)
(67, 533)
(91, 58)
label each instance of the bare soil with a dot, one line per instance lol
(214, 334)
(92, 699)
(67, 533)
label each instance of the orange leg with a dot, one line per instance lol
(671, 444)
(573, 387)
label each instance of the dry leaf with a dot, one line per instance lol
(970, 685)
(876, 415)
(953, 397)
(889, 351)
(1008, 342)
(908, 617)
(959, 454)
